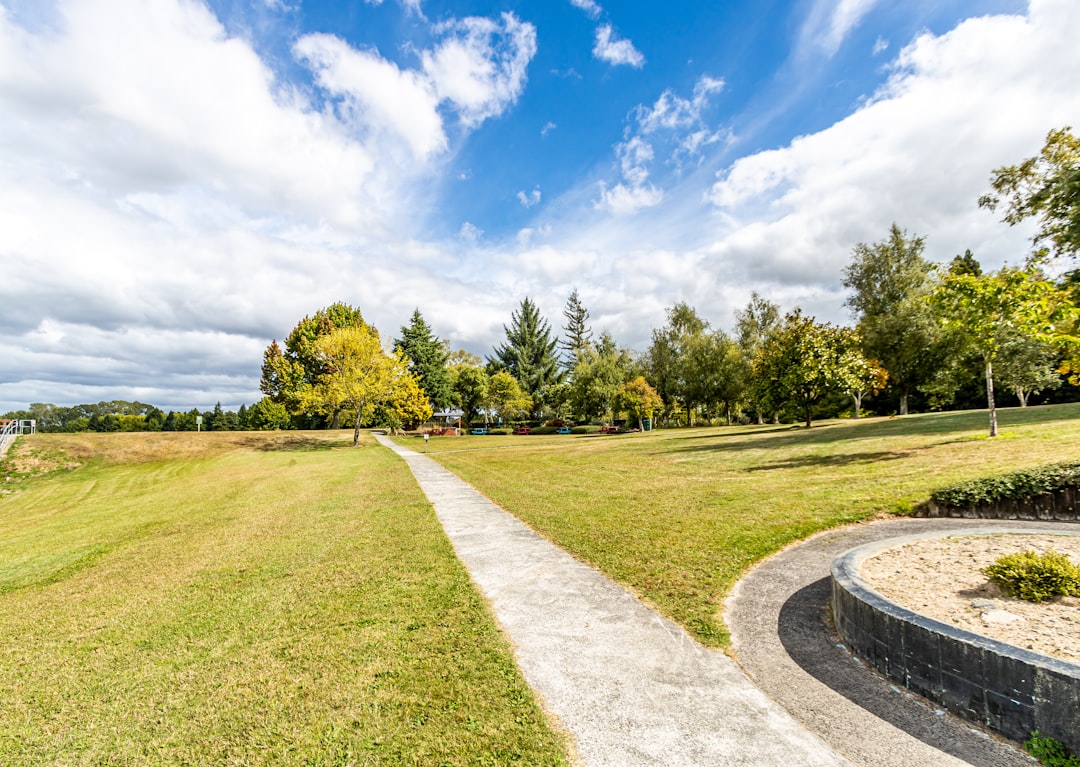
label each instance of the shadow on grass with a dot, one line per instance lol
(962, 425)
(295, 443)
(830, 460)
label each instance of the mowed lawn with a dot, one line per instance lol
(243, 599)
(678, 515)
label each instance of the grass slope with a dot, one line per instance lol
(678, 516)
(178, 599)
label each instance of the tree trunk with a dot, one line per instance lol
(760, 419)
(356, 428)
(1022, 396)
(857, 397)
(335, 420)
(903, 403)
(990, 398)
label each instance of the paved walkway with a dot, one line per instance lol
(631, 687)
(778, 616)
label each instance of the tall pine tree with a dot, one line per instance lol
(427, 360)
(529, 352)
(578, 335)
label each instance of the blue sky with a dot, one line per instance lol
(181, 181)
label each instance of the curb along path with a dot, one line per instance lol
(630, 686)
(802, 667)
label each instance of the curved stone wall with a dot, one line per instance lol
(1008, 689)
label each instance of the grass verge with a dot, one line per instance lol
(240, 599)
(677, 516)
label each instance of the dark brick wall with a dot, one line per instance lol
(1062, 506)
(1008, 689)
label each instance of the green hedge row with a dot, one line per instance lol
(1041, 480)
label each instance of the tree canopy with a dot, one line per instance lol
(529, 351)
(890, 281)
(427, 357)
(1045, 187)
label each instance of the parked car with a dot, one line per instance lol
(523, 430)
(564, 430)
(478, 430)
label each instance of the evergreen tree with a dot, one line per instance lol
(578, 334)
(529, 352)
(427, 360)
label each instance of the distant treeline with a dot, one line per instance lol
(119, 415)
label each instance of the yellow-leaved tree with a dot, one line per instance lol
(358, 377)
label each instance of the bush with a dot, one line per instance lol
(1035, 577)
(585, 430)
(1041, 480)
(500, 432)
(1050, 752)
(545, 430)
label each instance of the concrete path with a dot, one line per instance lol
(631, 687)
(778, 617)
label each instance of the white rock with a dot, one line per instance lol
(1003, 617)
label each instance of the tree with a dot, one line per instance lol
(1026, 366)
(890, 281)
(357, 375)
(1046, 187)
(506, 397)
(666, 358)
(754, 326)
(638, 399)
(599, 372)
(427, 357)
(407, 405)
(286, 373)
(805, 360)
(529, 352)
(578, 335)
(712, 373)
(868, 378)
(990, 309)
(468, 383)
(267, 415)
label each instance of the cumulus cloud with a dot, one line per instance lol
(616, 51)
(919, 152)
(480, 67)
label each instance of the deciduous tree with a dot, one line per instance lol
(638, 399)
(889, 281)
(805, 360)
(989, 309)
(1045, 187)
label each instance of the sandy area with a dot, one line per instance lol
(941, 578)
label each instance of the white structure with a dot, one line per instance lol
(10, 429)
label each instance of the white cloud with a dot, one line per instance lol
(628, 199)
(830, 21)
(377, 94)
(481, 66)
(529, 199)
(616, 51)
(919, 153)
(589, 6)
(470, 233)
(548, 128)
(880, 45)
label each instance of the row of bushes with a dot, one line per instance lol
(1017, 485)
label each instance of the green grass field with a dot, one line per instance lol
(677, 516)
(241, 599)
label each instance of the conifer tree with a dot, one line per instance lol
(529, 352)
(427, 357)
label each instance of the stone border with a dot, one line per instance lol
(1011, 690)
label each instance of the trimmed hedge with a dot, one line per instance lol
(1017, 485)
